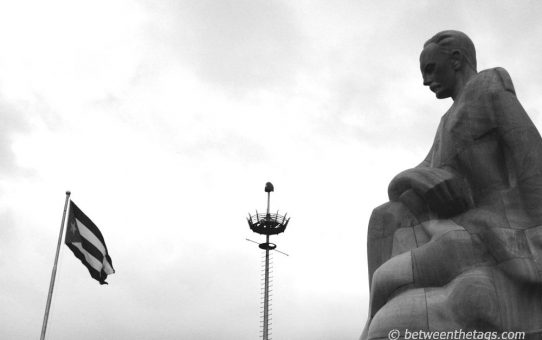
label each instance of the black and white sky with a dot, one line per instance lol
(165, 119)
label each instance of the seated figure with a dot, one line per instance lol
(459, 245)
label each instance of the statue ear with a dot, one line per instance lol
(456, 59)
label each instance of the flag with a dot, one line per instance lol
(87, 243)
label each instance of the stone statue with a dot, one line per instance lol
(459, 245)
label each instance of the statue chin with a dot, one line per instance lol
(459, 245)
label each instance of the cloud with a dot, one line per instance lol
(12, 122)
(225, 144)
(8, 234)
(239, 45)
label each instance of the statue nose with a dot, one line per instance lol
(426, 81)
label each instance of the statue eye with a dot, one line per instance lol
(429, 68)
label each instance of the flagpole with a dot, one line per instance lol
(53, 274)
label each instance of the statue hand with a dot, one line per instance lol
(414, 202)
(443, 192)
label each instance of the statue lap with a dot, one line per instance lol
(436, 275)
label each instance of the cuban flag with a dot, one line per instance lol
(87, 243)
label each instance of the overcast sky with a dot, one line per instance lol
(165, 119)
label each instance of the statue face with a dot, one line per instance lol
(437, 71)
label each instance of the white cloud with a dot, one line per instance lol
(241, 45)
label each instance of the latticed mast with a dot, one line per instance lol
(267, 224)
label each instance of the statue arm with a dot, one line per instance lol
(427, 161)
(524, 145)
(425, 189)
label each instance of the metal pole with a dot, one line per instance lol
(268, 203)
(266, 295)
(53, 274)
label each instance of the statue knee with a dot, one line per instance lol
(388, 217)
(473, 300)
(389, 279)
(385, 220)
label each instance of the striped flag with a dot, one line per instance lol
(87, 243)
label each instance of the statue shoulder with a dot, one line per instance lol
(494, 80)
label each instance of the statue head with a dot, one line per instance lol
(447, 62)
